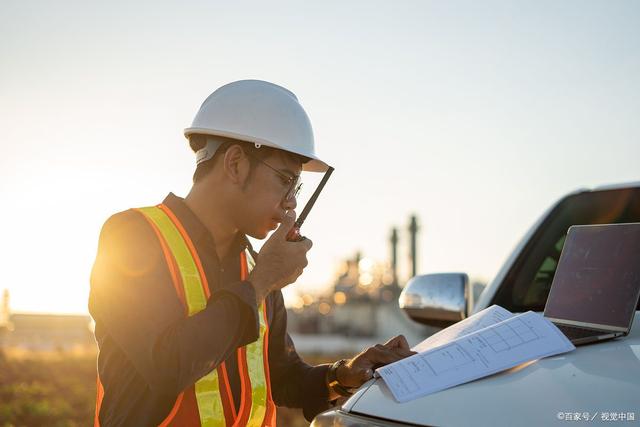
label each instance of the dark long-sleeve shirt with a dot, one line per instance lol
(150, 351)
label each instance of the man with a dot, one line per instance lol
(190, 321)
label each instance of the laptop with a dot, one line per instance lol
(596, 286)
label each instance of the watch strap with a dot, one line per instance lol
(332, 379)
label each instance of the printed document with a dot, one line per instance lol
(465, 352)
(487, 317)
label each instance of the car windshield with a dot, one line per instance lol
(527, 284)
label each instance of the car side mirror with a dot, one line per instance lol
(436, 299)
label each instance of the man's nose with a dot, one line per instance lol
(290, 203)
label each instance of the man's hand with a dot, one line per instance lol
(280, 262)
(360, 369)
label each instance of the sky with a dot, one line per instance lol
(474, 116)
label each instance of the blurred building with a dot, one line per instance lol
(360, 309)
(43, 332)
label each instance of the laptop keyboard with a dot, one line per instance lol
(573, 332)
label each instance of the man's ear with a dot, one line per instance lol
(236, 164)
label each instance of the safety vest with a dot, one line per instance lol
(209, 402)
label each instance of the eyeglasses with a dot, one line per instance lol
(293, 183)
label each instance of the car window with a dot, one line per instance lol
(527, 284)
(536, 294)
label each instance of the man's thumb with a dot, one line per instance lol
(287, 222)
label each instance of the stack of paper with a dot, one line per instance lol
(487, 342)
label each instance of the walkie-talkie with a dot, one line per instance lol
(294, 234)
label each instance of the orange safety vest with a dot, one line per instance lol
(209, 402)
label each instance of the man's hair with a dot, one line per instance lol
(254, 154)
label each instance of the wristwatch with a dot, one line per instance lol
(332, 379)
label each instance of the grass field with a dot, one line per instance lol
(57, 389)
(47, 389)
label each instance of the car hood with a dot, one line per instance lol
(595, 378)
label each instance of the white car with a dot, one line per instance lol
(597, 383)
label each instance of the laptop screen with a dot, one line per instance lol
(598, 275)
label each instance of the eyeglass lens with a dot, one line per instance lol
(294, 189)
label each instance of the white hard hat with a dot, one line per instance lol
(259, 112)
